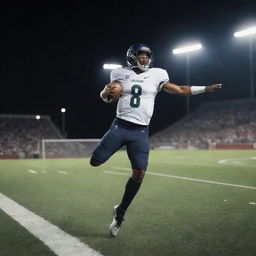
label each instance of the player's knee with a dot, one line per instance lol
(94, 162)
(138, 175)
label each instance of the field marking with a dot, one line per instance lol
(60, 242)
(200, 180)
(62, 172)
(239, 161)
(117, 173)
(122, 168)
(230, 162)
(187, 178)
(32, 171)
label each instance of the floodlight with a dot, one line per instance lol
(63, 110)
(38, 117)
(246, 32)
(111, 66)
(188, 48)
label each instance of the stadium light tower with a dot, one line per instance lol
(249, 33)
(187, 50)
(63, 111)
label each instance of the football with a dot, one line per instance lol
(115, 89)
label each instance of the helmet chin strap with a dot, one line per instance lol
(143, 67)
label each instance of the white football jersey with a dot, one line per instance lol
(136, 103)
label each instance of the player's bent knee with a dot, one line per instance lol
(138, 175)
(94, 162)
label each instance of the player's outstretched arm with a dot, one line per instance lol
(186, 90)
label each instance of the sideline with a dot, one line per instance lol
(60, 242)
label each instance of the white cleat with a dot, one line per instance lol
(116, 223)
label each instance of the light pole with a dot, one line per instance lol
(187, 50)
(188, 80)
(249, 32)
(63, 111)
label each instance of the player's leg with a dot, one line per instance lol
(94, 162)
(131, 189)
(138, 151)
(110, 143)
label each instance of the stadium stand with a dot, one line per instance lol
(21, 135)
(227, 125)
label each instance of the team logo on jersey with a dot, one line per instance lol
(137, 81)
(127, 77)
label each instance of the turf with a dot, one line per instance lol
(16, 241)
(168, 216)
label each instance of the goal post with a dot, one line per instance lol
(67, 148)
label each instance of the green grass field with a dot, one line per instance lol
(169, 216)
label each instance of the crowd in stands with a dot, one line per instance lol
(231, 122)
(22, 135)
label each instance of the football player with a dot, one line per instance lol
(140, 83)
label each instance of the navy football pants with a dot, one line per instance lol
(123, 133)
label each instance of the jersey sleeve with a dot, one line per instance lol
(115, 75)
(163, 77)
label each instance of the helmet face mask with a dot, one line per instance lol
(132, 57)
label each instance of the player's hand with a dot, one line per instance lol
(111, 88)
(213, 87)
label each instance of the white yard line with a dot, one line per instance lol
(187, 178)
(222, 162)
(122, 168)
(117, 173)
(62, 172)
(60, 242)
(32, 171)
(199, 180)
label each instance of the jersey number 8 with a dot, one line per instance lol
(135, 99)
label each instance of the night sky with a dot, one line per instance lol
(52, 53)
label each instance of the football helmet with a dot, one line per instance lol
(132, 56)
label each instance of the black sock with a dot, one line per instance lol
(131, 190)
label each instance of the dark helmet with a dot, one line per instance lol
(132, 54)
